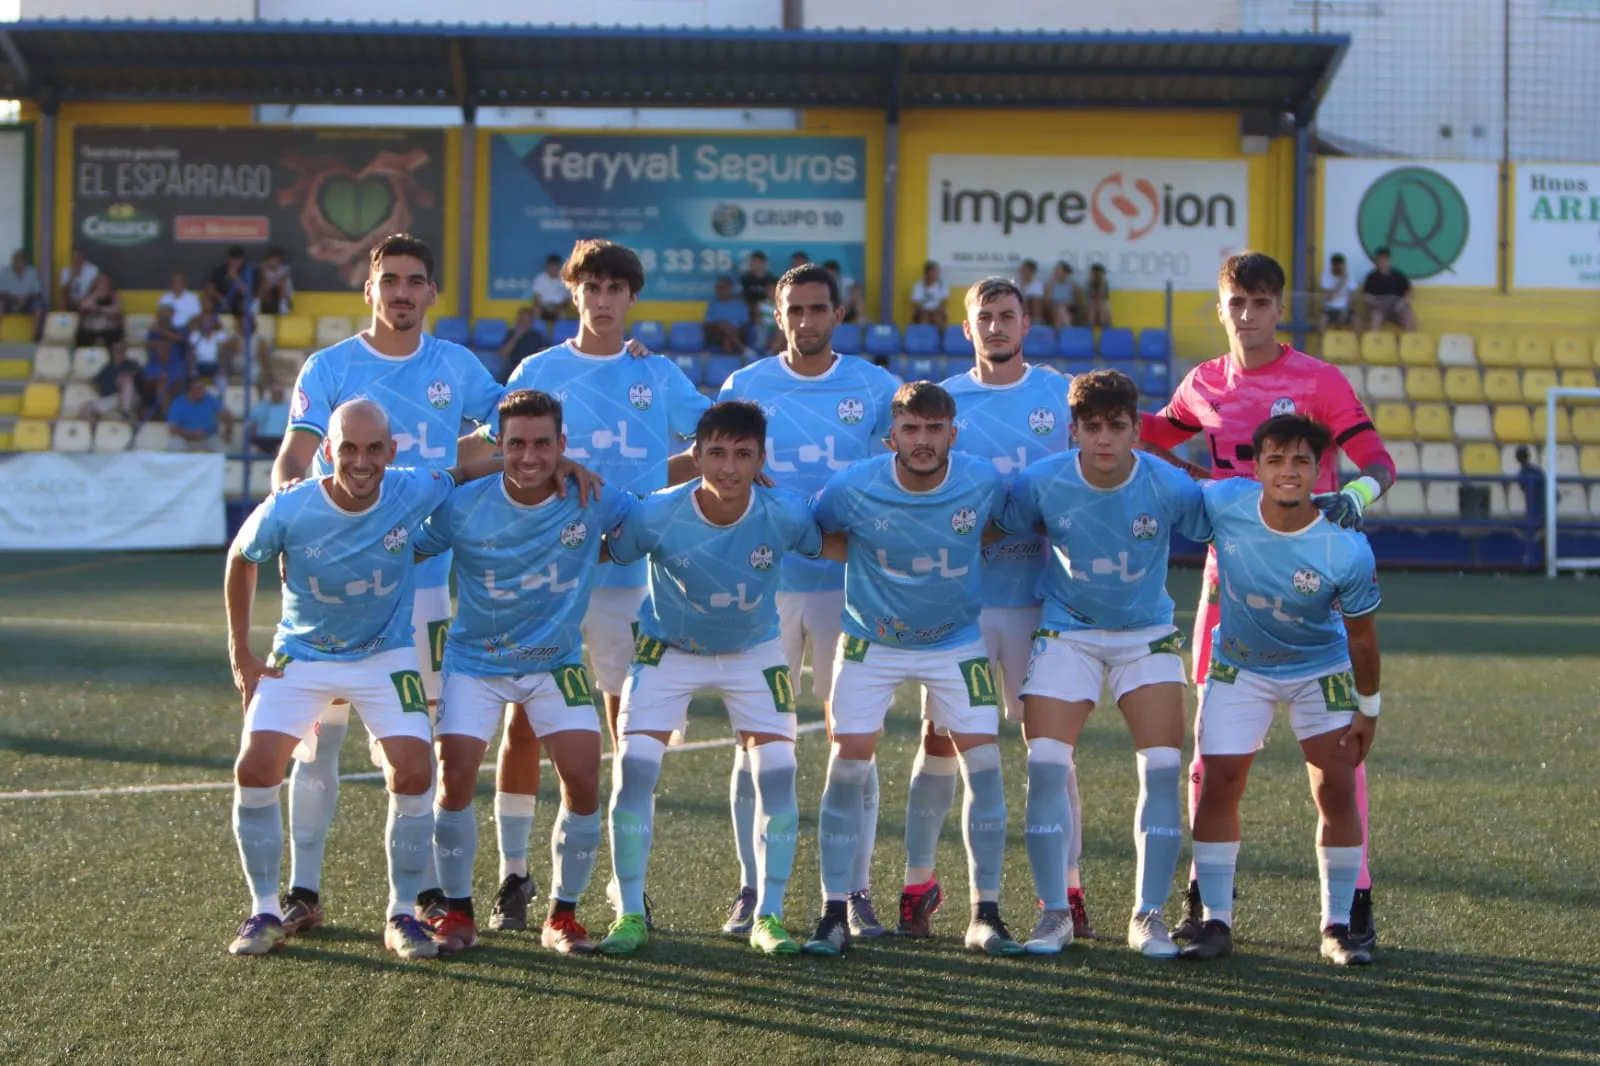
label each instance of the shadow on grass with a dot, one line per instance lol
(100, 751)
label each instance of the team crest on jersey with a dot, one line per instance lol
(964, 521)
(641, 395)
(1042, 421)
(1145, 527)
(394, 541)
(1282, 406)
(852, 411)
(574, 534)
(1307, 581)
(301, 404)
(439, 394)
(761, 558)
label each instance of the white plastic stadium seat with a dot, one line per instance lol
(1357, 377)
(1406, 498)
(1457, 349)
(1594, 502)
(1473, 422)
(52, 362)
(71, 435)
(1498, 506)
(61, 327)
(1566, 460)
(1572, 502)
(139, 356)
(112, 435)
(331, 329)
(1443, 499)
(87, 362)
(234, 400)
(74, 396)
(1441, 459)
(152, 437)
(1386, 383)
(266, 328)
(1407, 462)
(137, 326)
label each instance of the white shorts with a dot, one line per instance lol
(1008, 638)
(385, 688)
(430, 621)
(1075, 665)
(755, 686)
(960, 683)
(1237, 710)
(817, 617)
(608, 634)
(555, 701)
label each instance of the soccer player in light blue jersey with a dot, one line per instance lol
(345, 541)
(915, 522)
(710, 621)
(525, 560)
(824, 411)
(427, 386)
(1299, 601)
(1109, 513)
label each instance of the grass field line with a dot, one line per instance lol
(372, 775)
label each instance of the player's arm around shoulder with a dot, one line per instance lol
(802, 534)
(634, 536)
(1188, 501)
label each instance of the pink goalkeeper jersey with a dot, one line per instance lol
(1227, 402)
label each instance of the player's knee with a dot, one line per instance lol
(580, 793)
(252, 770)
(457, 782)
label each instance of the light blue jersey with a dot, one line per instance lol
(712, 587)
(427, 395)
(1285, 595)
(815, 428)
(1012, 426)
(351, 575)
(624, 418)
(915, 562)
(1107, 567)
(523, 574)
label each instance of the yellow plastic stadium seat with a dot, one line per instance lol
(1578, 379)
(1535, 351)
(1419, 349)
(15, 370)
(1496, 351)
(1480, 460)
(1463, 384)
(1513, 424)
(331, 329)
(296, 331)
(1563, 424)
(31, 435)
(41, 399)
(1535, 383)
(1586, 425)
(1339, 346)
(1594, 350)
(18, 329)
(1432, 422)
(51, 362)
(1502, 386)
(1424, 383)
(1589, 461)
(1394, 421)
(5, 440)
(1380, 349)
(10, 404)
(1572, 351)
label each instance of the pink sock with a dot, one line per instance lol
(1364, 879)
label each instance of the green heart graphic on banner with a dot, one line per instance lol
(356, 206)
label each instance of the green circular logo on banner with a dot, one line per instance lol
(1420, 216)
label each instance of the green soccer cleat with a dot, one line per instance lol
(770, 937)
(626, 935)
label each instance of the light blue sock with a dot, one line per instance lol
(932, 793)
(1214, 864)
(258, 827)
(455, 842)
(574, 843)
(985, 821)
(429, 879)
(861, 870)
(1157, 826)
(778, 822)
(1339, 868)
(742, 800)
(1048, 827)
(513, 824)
(839, 824)
(313, 796)
(410, 833)
(635, 771)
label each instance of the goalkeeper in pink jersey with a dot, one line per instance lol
(1226, 398)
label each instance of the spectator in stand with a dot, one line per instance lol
(929, 297)
(1388, 294)
(196, 419)
(1063, 298)
(524, 340)
(269, 420)
(274, 285)
(756, 285)
(727, 319)
(1336, 294)
(1099, 297)
(184, 302)
(118, 386)
(1530, 478)
(850, 297)
(21, 292)
(100, 314)
(77, 278)
(799, 259)
(212, 348)
(552, 300)
(1032, 287)
(230, 284)
(167, 347)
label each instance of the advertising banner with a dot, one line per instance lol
(1556, 226)
(147, 202)
(1438, 220)
(692, 206)
(51, 501)
(1147, 221)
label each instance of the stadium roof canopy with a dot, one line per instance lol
(472, 66)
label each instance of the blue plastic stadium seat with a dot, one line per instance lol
(1116, 344)
(686, 338)
(566, 329)
(652, 335)
(1040, 343)
(916, 368)
(692, 367)
(1155, 343)
(1077, 343)
(1154, 380)
(922, 339)
(720, 367)
(454, 330)
(847, 338)
(1078, 366)
(883, 339)
(955, 341)
(489, 333)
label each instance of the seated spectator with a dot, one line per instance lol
(197, 419)
(1099, 297)
(1063, 298)
(1032, 287)
(274, 285)
(727, 319)
(118, 386)
(523, 341)
(167, 366)
(1530, 478)
(211, 350)
(269, 420)
(230, 284)
(552, 300)
(184, 302)
(77, 278)
(1388, 295)
(756, 285)
(799, 259)
(929, 296)
(850, 297)
(21, 292)
(100, 314)
(1336, 294)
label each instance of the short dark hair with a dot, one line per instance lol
(810, 274)
(1286, 429)
(403, 244)
(236, 252)
(732, 420)
(993, 288)
(929, 264)
(1336, 257)
(1030, 263)
(599, 258)
(551, 258)
(1383, 250)
(806, 256)
(1252, 272)
(1101, 394)
(758, 254)
(832, 264)
(923, 399)
(530, 402)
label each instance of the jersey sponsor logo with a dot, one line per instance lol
(1282, 406)
(889, 629)
(394, 541)
(1307, 581)
(408, 686)
(1042, 421)
(979, 677)
(964, 521)
(574, 534)
(761, 558)
(301, 404)
(852, 411)
(782, 687)
(641, 395)
(439, 394)
(1171, 644)
(1145, 527)
(1339, 691)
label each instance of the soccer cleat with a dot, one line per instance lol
(988, 934)
(1147, 934)
(614, 897)
(1363, 929)
(456, 931)
(626, 935)
(863, 917)
(1340, 947)
(1213, 940)
(742, 915)
(300, 913)
(916, 912)
(408, 938)
(1193, 914)
(832, 936)
(260, 934)
(769, 936)
(1050, 934)
(511, 903)
(1081, 929)
(562, 933)
(430, 908)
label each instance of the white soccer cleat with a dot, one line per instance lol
(1147, 934)
(1052, 933)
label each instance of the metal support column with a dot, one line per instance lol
(44, 244)
(467, 175)
(1302, 276)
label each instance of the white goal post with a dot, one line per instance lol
(1553, 562)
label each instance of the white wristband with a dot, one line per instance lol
(1368, 705)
